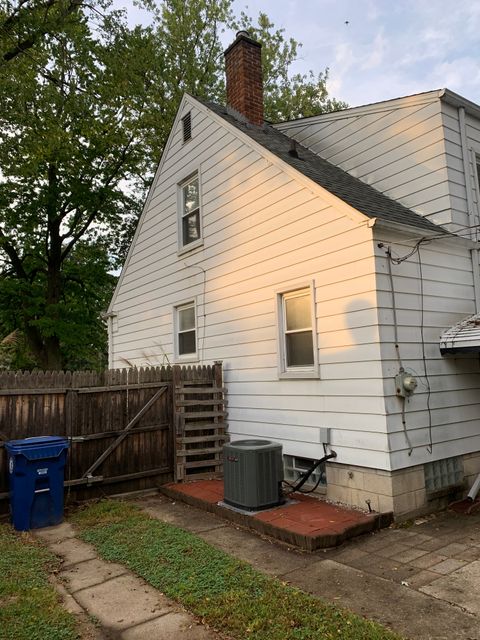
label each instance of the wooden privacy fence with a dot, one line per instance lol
(122, 425)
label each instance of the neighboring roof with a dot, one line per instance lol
(463, 337)
(351, 190)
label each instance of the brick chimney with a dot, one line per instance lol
(243, 67)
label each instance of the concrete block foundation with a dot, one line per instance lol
(403, 491)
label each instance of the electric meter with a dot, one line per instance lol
(405, 384)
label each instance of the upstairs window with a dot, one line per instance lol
(297, 338)
(186, 330)
(187, 127)
(190, 228)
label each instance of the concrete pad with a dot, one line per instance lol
(267, 556)
(428, 560)
(72, 550)
(89, 573)
(180, 516)
(461, 587)
(448, 566)
(123, 602)
(167, 627)
(54, 534)
(408, 612)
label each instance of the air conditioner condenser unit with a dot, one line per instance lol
(253, 474)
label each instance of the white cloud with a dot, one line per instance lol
(458, 74)
(375, 56)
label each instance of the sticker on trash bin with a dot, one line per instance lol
(10, 464)
(42, 472)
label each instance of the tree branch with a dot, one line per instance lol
(30, 41)
(94, 213)
(12, 253)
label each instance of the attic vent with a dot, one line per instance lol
(187, 126)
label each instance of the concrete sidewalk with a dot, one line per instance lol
(422, 582)
(122, 605)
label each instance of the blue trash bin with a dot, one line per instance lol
(36, 470)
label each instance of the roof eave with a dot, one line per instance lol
(456, 100)
(422, 232)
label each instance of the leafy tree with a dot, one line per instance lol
(69, 142)
(84, 113)
(25, 22)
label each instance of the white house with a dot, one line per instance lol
(320, 260)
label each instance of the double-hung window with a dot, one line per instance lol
(190, 222)
(186, 330)
(297, 335)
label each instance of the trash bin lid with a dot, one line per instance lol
(38, 447)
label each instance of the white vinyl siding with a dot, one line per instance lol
(447, 296)
(262, 229)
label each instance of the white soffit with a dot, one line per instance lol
(463, 337)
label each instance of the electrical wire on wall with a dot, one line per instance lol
(397, 346)
(422, 329)
(403, 399)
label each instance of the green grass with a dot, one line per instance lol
(226, 593)
(29, 605)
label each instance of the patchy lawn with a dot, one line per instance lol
(226, 593)
(29, 605)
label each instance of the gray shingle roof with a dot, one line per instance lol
(351, 190)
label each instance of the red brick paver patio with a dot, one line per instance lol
(305, 522)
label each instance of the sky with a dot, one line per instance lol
(378, 49)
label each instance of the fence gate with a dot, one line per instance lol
(119, 424)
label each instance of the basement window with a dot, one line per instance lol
(442, 474)
(187, 127)
(295, 468)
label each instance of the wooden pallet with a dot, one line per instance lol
(200, 423)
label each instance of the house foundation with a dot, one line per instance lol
(406, 492)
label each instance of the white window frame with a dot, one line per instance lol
(308, 371)
(185, 248)
(184, 357)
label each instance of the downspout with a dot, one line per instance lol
(466, 167)
(472, 494)
(471, 207)
(466, 170)
(474, 254)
